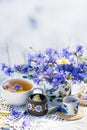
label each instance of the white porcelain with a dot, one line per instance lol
(16, 99)
(70, 105)
(55, 96)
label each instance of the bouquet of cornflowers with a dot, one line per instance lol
(52, 66)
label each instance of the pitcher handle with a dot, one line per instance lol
(37, 90)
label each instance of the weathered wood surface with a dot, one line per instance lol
(11, 54)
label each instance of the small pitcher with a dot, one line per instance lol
(37, 107)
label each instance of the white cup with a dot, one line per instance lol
(16, 98)
(70, 105)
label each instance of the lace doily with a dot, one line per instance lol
(46, 122)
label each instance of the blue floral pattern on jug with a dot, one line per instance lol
(38, 108)
(29, 106)
(46, 106)
(55, 96)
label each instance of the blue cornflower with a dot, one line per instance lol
(59, 68)
(68, 68)
(52, 59)
(3, 66)
(8, 71)
(45, 67)
(17, 87)
(82, 66)
(39, 55)
(6, 87)
(17, 68)
(51, 52)
(46, 71)
(26, 123)
(79, 49)
(25, 69)
(66, 53)
(16, 113)
(36, 80)
(78, 74)
(61, 78)
(56, 80)
(80, 77)
(65, 67)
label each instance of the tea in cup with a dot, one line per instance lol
(15, 91)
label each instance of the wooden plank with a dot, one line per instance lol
(10, 54)
(15, 55)
(3, 59)
(3, 53)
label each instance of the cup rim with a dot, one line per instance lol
(16, 78)
(75, 97)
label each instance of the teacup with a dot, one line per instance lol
(20, 94)
(70, 105)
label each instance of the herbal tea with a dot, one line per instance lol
(17, 85)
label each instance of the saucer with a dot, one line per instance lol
(79, 115)
(83, 102)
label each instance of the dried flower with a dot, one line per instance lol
(26, 123)
(15, 113)
(14, 88)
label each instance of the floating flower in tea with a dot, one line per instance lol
(14, 88)
(7, 87)
(17, 87)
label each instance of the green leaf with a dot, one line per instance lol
(51, 111)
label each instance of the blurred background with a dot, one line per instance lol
(42, 23)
